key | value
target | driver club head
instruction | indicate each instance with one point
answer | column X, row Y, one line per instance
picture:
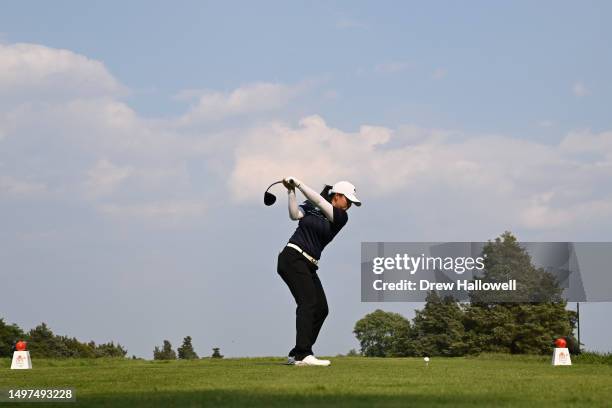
column 269, row 198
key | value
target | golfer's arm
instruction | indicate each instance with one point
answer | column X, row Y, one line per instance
column 318, row 200
column 294, row 212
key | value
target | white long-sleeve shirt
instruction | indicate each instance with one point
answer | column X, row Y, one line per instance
column 294, row 211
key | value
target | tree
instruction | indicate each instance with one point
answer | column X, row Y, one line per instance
column 75, row 348
column 216, row 353
column 43, row 343
column 438, row 328
column 528, row 320
column 166, row 353
column 524, row 322
column 505, row 259
column 383, row 334
column 9, row 335
column 109, row 350
column 186, row 352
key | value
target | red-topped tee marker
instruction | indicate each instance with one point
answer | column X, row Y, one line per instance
column 21, row 357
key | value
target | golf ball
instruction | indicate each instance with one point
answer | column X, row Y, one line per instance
column 426, row 359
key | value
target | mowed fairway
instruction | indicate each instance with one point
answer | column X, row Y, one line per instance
column 350, row 381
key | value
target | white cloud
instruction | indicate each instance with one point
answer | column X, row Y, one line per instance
column 580, row 89
column 172, row 211
column 66, row 128
column 105, row 177
column 10, row 186
column 31, row 69
column 253, row 98
column 586, row 141
column 92, row 147
column 106, row 127
column 540, row 214
column 313, row 150
column 479, row 171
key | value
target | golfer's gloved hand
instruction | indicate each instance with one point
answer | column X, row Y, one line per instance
column 287, row 185
column 292, row 182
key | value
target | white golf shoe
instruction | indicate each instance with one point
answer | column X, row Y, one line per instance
column 290, row 360
column 311, row 360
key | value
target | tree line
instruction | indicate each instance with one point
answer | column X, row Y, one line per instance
column 42, row 342
column 184, row 352
column 446, row 327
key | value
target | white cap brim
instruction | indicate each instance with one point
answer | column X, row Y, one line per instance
column 353, row 198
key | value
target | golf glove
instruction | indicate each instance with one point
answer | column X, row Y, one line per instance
column 292, row 181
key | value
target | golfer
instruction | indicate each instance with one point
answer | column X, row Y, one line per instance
column 320, row 217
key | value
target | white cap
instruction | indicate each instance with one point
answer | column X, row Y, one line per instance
column 346, row 188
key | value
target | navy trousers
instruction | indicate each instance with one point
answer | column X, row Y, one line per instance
column 301, row 276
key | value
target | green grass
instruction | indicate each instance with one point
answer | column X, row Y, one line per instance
column 488, row 380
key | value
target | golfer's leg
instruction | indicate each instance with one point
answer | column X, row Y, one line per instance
column 285, row 258
column 298, row 278
column 321, row 310
column 283, row 268
column 305, row 311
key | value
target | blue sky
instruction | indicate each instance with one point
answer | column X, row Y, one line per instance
column 506, row 66
column 136, row 140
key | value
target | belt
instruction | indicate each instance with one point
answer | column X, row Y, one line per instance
column 310, row 258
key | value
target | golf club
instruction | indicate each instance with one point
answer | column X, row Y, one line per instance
column 270, row 198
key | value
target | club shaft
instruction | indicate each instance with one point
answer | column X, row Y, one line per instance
column 276, row 182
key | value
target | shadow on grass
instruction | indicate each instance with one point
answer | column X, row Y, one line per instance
column 312, row 396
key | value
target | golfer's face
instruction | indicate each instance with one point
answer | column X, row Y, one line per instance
column 340, row 201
